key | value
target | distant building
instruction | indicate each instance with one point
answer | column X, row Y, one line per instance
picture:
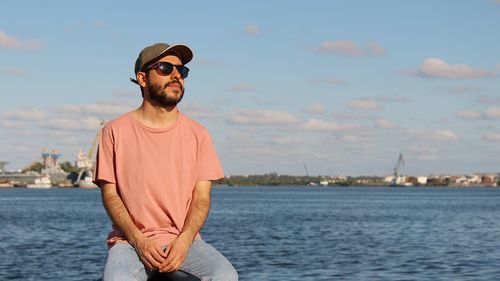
column 2, row 166
column 389, row 179
column 422, row 180
column 488, row 179
column 471, row 179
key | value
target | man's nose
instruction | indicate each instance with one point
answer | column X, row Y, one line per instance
column 176, row 74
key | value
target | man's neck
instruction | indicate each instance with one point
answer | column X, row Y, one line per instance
column 156, row 116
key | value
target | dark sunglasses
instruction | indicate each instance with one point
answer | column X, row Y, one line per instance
column 165, row 68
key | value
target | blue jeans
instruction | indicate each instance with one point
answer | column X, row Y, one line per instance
column 202, row 261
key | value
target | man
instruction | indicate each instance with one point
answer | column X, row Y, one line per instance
column 154, row 167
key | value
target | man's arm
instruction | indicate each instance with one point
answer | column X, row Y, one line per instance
column 149, row 252
column 196, row 217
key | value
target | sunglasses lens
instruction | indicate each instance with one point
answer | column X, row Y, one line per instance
column 165, row 68
column 184, row 71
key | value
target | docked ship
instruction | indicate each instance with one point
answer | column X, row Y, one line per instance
column 86, row 183
column 41, row 182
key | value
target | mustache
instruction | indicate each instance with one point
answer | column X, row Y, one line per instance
column 175, row 81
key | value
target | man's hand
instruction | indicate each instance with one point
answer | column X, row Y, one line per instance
column 149, row 252
column 176, row 254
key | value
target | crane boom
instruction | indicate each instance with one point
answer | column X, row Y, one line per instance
column 305, row 168
column 398, row 166
column 96, row 140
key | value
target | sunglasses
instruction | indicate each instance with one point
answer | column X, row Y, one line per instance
column 165, row 68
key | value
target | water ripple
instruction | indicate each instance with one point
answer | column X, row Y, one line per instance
column 276, row 233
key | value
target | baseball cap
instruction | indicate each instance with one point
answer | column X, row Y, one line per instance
column 156, row 51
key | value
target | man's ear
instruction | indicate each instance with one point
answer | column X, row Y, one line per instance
column 141, row 79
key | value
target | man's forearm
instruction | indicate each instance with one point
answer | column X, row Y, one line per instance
column 198, row 211
column 118, row 213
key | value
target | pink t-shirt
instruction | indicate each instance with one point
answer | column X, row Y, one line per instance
column 155, row 171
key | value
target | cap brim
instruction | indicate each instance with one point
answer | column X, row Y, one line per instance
column 185, row 53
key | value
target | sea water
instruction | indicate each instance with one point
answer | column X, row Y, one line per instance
column 276, row 233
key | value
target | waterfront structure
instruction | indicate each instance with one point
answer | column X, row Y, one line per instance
column 2, row 167
column 398, row 180
column 41, row 182
column 85, row 163
column 421, row 180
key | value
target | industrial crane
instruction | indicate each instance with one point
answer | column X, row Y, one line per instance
column 399, row 164
column 85, row 163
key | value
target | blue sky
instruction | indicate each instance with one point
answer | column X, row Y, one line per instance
column 341, row 86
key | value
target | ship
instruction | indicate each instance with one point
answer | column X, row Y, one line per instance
column 86, row 183
column 41, row 182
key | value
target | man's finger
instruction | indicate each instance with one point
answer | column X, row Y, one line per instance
column 146, row 263
column 157, row 255
column 161, row 251
column 168, row 265
column 151, row 259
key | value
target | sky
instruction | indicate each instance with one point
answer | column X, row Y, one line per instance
column 334, row 87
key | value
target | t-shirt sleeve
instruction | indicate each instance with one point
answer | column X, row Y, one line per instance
column 209, row 167
column 105, row 158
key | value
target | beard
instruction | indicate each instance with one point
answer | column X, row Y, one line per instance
column 159, row 96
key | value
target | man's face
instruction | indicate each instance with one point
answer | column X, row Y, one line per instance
column 166, row 90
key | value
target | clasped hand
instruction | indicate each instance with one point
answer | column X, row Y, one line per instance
column 153, row 257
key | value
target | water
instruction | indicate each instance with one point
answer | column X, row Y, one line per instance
column 276, row 233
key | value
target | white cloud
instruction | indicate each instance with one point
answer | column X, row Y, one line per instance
column 415, row 132
column 492, row 113
column 9, row 42
column 385, row 124
column 263, row 101
column 99, row 109
column 106, row 109
column 72, row 124
column 343, row 47
column 443, row 135
column 68, row 108
column 375, row 49
column 355, row 138
column 436, row 67
column 351, row 49
column 61, row 124
column 488, row 100
column 465, row 89
column 315, row 109
column 492, row 136
column 126, row 93
column 331, row 81
column 24, row 114
column 393, row 99
column 287, row 140
column 243, row 87
column 468, row 115
column 9, row 124
column 252, row 29
column 12, row 72
column 437, row 135
column 364, row 104
column 422, row 149
column 261, row 117
column 320, row 125
column 99, row 24
column 196, row 110
column 427, row 157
